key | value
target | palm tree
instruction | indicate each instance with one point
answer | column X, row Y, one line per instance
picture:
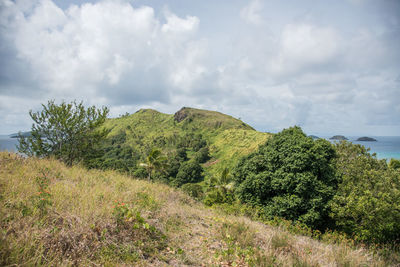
column 155, row 161
column 222, row 184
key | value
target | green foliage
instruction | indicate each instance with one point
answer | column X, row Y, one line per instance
column 290, row 176
column 189, row 172
column 220, row 190
column 42, row 200
column 196, row 133
column 367, row 203
column 69, row 132
column 203, row 155
column 155, row 162
column 193, row 190
column 394, row 164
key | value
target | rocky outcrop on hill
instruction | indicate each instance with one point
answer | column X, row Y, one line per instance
column 180, row 115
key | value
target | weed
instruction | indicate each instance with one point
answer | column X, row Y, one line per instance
column 281, row 242
column 42, row 199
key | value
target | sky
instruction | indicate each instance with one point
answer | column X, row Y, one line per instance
column 329, row 66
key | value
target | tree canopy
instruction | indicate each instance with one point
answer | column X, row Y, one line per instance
column 367, row 203
column 68, row 131
column 290, row 176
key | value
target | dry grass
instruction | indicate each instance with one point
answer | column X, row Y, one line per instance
column 78, row 222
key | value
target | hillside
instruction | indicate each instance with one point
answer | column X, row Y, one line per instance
column 228, row 138
column 52, row 215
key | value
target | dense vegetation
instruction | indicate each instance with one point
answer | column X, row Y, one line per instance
column 290, row 176
column 367, row 202
column 225, row 163
column 54, row 215
column 68, row 132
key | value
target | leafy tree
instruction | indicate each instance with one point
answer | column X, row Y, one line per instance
column 202, row 155
column 367, row 203
column 68, row 131
column 189, row 172
column 155, row 162
column 290, row 176
column 394, row 164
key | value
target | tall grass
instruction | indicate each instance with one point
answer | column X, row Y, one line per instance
column 52, row 215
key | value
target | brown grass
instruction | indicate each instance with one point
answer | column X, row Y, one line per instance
column 80, row 226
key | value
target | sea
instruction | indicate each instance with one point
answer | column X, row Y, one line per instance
column 386, row 147
column 8, row 144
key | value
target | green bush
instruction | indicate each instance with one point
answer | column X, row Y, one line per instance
column 367, row 204
column 189, row 172
column 193, row 190
column 394, row 164
column 68, row 131
column 290, row 176
column 202, row 155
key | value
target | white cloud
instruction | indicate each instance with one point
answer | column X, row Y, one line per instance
column 304, row 45
column 84, row 50
column 292, row 71
column 251, row 12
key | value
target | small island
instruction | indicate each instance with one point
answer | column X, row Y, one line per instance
column 338, row 137
column 314, row 137
column 367, row 139
column 23, row 134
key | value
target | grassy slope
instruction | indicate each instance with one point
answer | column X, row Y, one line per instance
column 228, row 138
column 79, row 227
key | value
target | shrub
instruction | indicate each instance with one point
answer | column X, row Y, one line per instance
column 290, row 176
column 193, row 190
column 69, row 132
column 394, row 164
column 367, row 204
column 202, row 155
column 189, row 172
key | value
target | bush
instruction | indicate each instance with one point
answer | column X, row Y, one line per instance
column 290, row 176
column 367, row 204
column 193, row 190
column 394, row 164
column 202, row 155
column 189, row 172
column 68, row 132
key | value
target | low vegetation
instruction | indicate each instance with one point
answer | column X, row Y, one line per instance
column 51, row 214
column 336, row 193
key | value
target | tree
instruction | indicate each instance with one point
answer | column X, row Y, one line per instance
column 394, row 164
column 189, row 172
column 155, row 161
column 290, row 176
column 68, row 132
column 367, row 203
column 220, row 190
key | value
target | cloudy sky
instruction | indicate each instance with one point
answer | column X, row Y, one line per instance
column 332, row 67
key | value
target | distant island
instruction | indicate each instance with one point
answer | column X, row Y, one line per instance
column 367, row 139
column 338, row 137
column 314, row 137
column 16, row 135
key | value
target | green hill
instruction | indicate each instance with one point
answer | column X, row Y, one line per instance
column 53, row 215
column 227, row 138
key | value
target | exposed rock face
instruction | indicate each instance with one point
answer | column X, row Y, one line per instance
column 338, row 137
column 180, row 115
column 367, row 139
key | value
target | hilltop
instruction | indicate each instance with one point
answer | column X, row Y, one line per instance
column 228, row 138
column 55, row 215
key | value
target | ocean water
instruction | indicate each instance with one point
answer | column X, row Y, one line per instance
column 8, row 144
column 386, row 147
